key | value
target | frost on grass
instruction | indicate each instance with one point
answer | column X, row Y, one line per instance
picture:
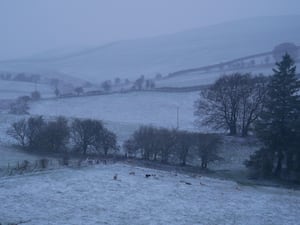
column 93, row 196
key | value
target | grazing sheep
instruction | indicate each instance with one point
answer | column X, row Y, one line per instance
column 115, row 177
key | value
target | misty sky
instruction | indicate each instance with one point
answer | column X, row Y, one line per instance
column 32, row 26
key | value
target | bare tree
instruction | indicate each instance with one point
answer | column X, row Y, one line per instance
column 167, row 141
column 34, row 129
column 232, row 102
column 130, row 147
column 18, row 131
column 106, row 140
column 252, row 103
column 153, row 143
column 144, row 139
column 85, row 133
column 185, row 142
column 55, row 135
column 139, row 83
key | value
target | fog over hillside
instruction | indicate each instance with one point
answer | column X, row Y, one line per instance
column 168, row 53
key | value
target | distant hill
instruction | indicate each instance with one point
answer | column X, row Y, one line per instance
column 168, row 53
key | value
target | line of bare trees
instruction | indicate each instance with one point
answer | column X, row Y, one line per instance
column 151, row 143
column 91, row 137
column 61, row 136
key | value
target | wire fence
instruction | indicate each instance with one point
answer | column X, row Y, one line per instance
column 25, row 166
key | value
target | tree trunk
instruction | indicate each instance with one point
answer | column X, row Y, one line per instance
column 289, row 162
column 164, row 160
column 203, row 163
column 183, row 163
column 232, row 130
column 279, row 165
column 146, row 155
column 84, row 148
column 155, row 156
column 245, row 131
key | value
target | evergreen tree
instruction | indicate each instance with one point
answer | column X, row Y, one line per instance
column 277, row 125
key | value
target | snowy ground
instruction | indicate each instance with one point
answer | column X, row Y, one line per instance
column 187, row 80
column 91, row 196
column 14, row 89
column 159, row 109
column 205, row 78
column 196, row 78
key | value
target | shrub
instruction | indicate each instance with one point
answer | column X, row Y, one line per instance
column 36, row 95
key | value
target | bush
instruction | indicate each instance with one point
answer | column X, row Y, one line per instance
column 207, row 146
column 79, row 90
column 260, row 164
column 36, row 95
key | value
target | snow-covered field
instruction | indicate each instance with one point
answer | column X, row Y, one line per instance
column 136, row 108
column 196, row 78
column 14, row 89
column 92, row 196
column 188, row 80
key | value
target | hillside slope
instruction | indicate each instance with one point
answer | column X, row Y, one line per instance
column 92, row 196
column 168, row 53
